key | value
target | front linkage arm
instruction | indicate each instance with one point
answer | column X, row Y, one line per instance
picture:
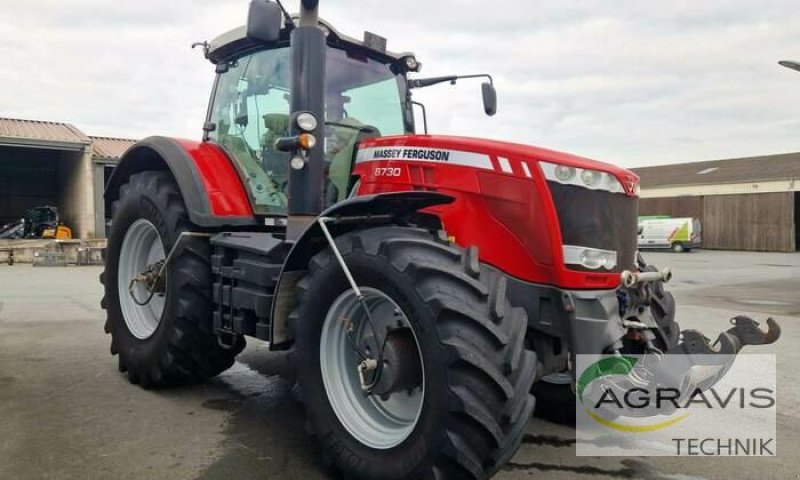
column 745, row 331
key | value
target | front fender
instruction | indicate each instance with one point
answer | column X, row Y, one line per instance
column 209, row 184
column 348, row 215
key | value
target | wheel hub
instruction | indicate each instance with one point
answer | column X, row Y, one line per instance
column 402, row 368
column 384, row 416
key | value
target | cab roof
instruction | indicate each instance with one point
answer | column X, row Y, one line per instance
column 236, row 42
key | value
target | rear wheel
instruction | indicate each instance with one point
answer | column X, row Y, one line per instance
column 162, row 330
column 453, row 398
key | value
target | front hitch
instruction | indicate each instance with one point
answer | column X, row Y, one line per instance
column 745, row 331
column 693, row 349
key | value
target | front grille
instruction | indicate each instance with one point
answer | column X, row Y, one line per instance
column 597, row 219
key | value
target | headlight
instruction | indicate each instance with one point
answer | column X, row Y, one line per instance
column 564, row 173
column 297, row 163
column 591, row 258
column 306, row 121
column 590, row 177
column 581, row 177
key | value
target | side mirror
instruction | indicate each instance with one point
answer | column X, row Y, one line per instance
column 264, row 21
column 489, row 98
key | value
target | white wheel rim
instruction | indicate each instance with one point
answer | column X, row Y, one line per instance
column 141, row 248
column 376, row 423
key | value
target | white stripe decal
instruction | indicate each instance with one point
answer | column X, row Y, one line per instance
column 527, row 170
column 505, row 165
column 423, row 154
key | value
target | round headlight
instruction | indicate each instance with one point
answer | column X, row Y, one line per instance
column 297, row 163
column 412, row 63
column 564, row 173
column 590, row 177
column 306, row 122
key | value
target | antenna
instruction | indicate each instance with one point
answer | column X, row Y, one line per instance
column 287, row 19
column 202, row 44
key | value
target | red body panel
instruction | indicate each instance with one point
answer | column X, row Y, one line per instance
column 226, row 194
column 482, row 185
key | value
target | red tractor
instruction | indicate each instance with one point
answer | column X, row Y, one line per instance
column 423, row 283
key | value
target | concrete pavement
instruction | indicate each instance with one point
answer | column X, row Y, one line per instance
column 66, row 412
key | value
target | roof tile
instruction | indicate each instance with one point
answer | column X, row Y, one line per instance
column 18, row 129
column 109, row 148
column 736, row 170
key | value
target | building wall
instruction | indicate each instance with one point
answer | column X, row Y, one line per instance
column 76, row 193
column 773, row 186
column 98, row 184
column 672, row 206
column 762, row 221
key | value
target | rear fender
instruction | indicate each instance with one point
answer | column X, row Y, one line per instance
column 348, row 215
column 210, row 186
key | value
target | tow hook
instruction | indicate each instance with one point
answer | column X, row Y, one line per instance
column 745, row 331
column 633, row 279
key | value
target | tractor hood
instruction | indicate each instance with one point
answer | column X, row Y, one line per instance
column 491, row 154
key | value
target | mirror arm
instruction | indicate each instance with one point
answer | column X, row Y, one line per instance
column 427, row 82
column 479, row 75
column 424, row 115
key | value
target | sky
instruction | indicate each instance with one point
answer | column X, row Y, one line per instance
column 633, row 83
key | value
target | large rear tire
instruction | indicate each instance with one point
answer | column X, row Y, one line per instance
column 170, row 340
column 476, row 373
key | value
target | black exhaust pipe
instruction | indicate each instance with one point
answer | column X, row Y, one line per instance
column 307, row 95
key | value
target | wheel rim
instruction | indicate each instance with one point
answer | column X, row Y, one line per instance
column 558, row 378
column 375, row 422
column 141, row 248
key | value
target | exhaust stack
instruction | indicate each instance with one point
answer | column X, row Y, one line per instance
column 307, row 95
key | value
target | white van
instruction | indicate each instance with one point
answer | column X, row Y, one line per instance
column 678, row 234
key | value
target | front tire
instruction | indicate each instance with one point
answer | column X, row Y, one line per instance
column 476, row 371
column 169, row 340
column 555, row 400
column 678, row 247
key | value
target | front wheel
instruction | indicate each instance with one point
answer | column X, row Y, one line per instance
column 678, row 247
column 161, row 328
column 555, row 399
column 452, row 398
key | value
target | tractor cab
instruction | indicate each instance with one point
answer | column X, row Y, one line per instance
column 365, row 96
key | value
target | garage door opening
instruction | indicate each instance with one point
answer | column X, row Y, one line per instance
column 36, row 177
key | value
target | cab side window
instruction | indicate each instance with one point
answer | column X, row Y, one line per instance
column 251, row 110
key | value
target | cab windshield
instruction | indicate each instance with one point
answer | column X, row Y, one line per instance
column 251, row 108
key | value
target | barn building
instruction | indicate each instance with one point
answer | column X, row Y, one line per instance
column 51, row 163
column 744, row 203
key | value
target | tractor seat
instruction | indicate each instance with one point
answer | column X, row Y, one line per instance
column 277, row 125
column 344, row 139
